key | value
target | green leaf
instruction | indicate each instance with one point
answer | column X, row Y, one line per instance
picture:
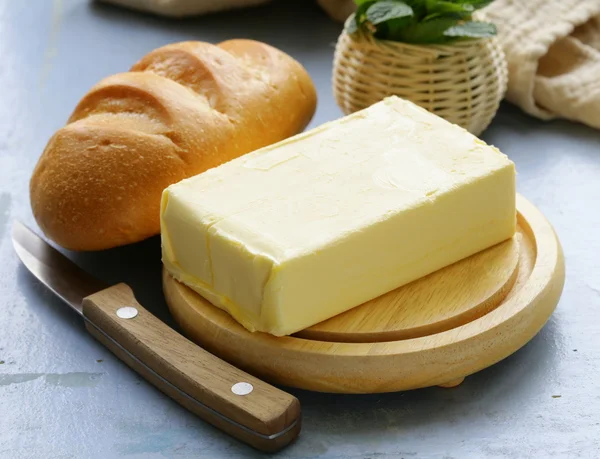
column 351, row 25
column 386, row 10
column 437, row 7
column 472, row 29
column 361, row 11
column 427, row 32
column 394, row 26
column 358, row 17
column 418, row 7
column 455, row 16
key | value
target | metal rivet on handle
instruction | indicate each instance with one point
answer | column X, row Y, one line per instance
column 127, row 312
column 242, row 388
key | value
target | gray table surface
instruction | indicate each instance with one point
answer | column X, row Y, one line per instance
column 62, row 395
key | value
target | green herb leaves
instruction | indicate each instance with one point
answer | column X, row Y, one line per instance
column 420, row 21
column 386, row 10
column 427, row 32
column 436, row 9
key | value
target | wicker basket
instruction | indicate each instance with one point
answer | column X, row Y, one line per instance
column 463, row 82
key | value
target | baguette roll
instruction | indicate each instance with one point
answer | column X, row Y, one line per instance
column 182, row 109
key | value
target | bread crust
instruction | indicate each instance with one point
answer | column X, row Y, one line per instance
column 180, row 110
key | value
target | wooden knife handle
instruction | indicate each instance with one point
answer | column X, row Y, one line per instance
column 247, row 408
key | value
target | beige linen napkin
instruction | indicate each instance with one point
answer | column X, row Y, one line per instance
column 553, row 53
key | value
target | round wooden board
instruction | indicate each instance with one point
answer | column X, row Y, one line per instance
column 415, row 344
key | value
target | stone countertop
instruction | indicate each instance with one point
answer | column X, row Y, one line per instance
column 62, row 395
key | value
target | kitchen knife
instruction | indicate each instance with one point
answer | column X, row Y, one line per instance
column 243, row 406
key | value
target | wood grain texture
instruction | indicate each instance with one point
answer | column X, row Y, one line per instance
column 441, row 301
column 198, row 374
column 436, row 359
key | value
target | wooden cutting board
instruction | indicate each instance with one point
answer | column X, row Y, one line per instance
column 434, row 331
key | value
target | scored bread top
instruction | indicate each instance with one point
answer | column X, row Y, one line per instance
column 182, row 109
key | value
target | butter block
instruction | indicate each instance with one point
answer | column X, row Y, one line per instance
column 300, row 231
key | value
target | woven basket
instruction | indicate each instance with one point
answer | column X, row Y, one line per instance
column 463, row 82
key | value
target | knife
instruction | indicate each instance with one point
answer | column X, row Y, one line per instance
column 245, row 407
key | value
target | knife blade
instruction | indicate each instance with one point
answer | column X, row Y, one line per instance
column 260, row 415
column 63, row 277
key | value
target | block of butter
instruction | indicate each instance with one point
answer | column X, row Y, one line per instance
column 298, row 232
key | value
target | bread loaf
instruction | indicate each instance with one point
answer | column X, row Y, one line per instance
column 182, row 109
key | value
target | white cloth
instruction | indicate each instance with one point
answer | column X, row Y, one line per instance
column 553, row 53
